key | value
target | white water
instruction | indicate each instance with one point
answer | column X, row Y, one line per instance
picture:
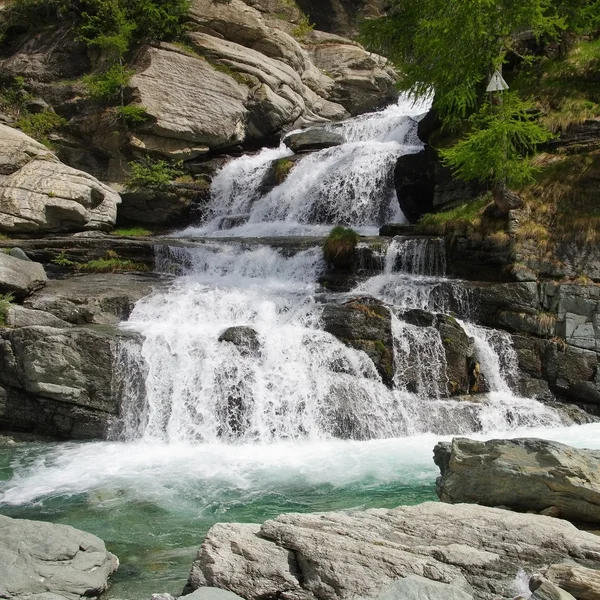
column 351, row 184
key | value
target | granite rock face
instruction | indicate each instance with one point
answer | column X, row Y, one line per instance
column 523, row 474
column 338, row 555
column 42, row 561
column 38, row 193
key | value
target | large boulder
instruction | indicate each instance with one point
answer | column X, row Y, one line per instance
column 523, row 474
column 342, row 555
column 59, row 381
column 364, row 324
column 20, row 277
column 44, row 561
column 38, row 193
column 314, row 138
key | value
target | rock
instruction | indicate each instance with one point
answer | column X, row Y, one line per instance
column 364, row 324
column 341, row 16
column 312, row 139
column 40, row 194
column 18, row 253
column 58, row 381
column 19, row 277
column 212, row 593
column 582, row 582
column 394, row 229
column 415, row 587
column 245, row 338
column 103, row 299
column 19, row 316
column 17, row 149
column 546, row 590
column 342, row 555
column 415, row 184
column 523, row 474
column 42, row 560
column 171, row 85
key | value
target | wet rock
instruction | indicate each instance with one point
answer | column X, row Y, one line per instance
column 523, row 474
column 245, row 338
column 546, row 590
column 19, row 277
column 478, row 550
column 18, row 253
column 582, row 582
column 42, row 560
column 415, row 184
column 313, row 139
column 364, row 324
column 58, row 381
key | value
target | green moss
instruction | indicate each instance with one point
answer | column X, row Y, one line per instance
column 5, row 302
column 282, row 169
column 340, row 246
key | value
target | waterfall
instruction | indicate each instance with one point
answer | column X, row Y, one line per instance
column 351, row 184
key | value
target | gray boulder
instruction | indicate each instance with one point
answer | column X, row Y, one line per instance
column 19, row 316
column 20, row 277
column 341, row 555
column 38, row 193
column 415, row 587
column 41, row 560
column 315, row 138
column 523, row 474
column 546, row 590
column 244, row 338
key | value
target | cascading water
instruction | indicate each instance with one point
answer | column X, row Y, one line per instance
column 351, row 184
column 222, row 431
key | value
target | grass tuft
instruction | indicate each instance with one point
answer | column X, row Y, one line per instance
column 340, row 246
column 132, row 232
column 5, row 302
column 111, row 263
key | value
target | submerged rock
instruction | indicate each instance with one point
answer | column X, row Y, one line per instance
column 245, row 338
column 340, row 555
column 313, row 139
column 42, row 560
column 523, row 474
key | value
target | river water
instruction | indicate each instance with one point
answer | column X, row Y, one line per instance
column 210, row 433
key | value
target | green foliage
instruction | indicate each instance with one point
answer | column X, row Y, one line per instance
column 5, row 302
column 132, row 232
column 110, row 263
column 450, row 48
column 13, row 95
column 459, row 219
column 61, row 260
column 340, row 246
column 499, row 147
column 303, row 28
column 132, row 115
column 39, row 125
column 109, row 85
column 157, row 174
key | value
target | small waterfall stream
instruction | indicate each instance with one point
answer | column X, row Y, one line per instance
column 296, row 420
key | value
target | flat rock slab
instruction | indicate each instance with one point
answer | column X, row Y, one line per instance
column 42, row 560
column 20, row 277
column 524, row 474
column 338, row 555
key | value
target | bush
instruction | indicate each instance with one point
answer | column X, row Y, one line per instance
column 109, row 85
column 340, row 246
column 132, row 115
column 303, row 28
column 39, row 125
column 152, row 174
column 5, row 302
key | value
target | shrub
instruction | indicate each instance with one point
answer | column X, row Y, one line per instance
column 61, row 260
column 39, row 125
column 13, row 95
column 109, row 85
column 5, row 302
column 147, row 173
column 340, row 246
column 303, row 28
column 132, row 115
